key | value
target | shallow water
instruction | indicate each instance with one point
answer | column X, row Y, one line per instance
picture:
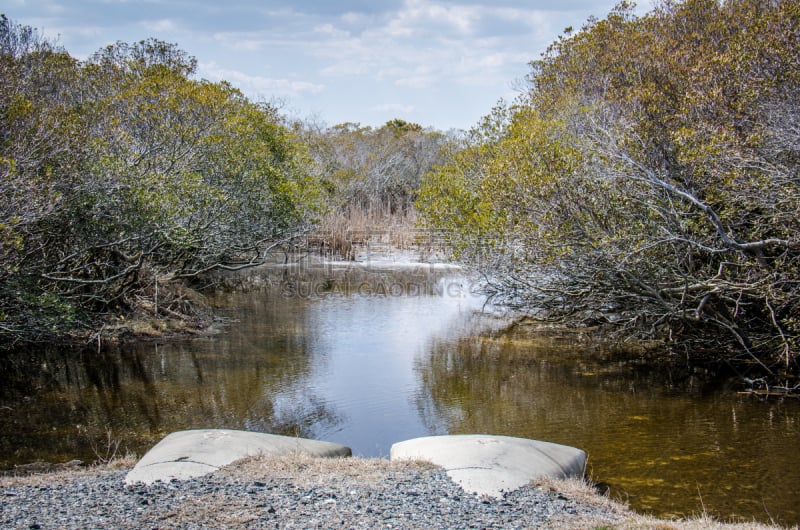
column 367, row 355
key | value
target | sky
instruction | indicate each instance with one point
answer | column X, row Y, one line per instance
column 439, row 63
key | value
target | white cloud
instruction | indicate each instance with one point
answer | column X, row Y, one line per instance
column 419, row 15
column 355, row 18
column 396, row 108
column 163, row 25
column 448, row 60
column 415, row 81
column 332, row 31
column 419, row 45
column 241, row 41
column 425, row 43
column 258, row 84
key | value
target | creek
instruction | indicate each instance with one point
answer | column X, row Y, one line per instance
column 373, row 353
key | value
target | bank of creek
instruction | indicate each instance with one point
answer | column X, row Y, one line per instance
column 367, row 354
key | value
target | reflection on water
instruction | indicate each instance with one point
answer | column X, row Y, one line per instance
column 322, row 351
column 368, row 356
column 664, row 442
column 59, row 405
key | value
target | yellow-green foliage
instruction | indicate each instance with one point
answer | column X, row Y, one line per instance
column 122, row 171
column 651, row 171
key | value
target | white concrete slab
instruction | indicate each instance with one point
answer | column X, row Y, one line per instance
column 186, row 454
column 491, row 465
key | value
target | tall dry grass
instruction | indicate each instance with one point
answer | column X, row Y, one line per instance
column 617, row 516
column 342, row 234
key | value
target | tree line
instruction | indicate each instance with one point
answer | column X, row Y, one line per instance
column 647, row 179
column 372, row 176
column 124, row 179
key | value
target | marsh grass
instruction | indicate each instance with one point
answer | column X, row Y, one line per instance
column 343, row 234
column 617, row 516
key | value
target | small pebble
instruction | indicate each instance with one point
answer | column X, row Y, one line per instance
column 407, row 498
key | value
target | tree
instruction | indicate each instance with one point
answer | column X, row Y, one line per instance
column 185, row 177
column 648, row 181
column 123, row 173
column 42, row 139
column 376, row 170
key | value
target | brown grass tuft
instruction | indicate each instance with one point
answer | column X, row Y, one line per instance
column 619, row 517
column 344, row 234
column 307, row 470
column 46, row 474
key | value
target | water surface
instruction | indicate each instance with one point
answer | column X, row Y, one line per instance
column 370, row 355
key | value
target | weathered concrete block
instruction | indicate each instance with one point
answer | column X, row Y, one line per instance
column 491, row 465
column 187, row 454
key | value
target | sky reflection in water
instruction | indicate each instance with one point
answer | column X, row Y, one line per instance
column 344, row 353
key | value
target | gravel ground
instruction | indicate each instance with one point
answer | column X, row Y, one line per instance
column 266, row 496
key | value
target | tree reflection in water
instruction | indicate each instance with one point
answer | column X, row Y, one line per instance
column 371, row 368
column 60, row 404
column 667, row 441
